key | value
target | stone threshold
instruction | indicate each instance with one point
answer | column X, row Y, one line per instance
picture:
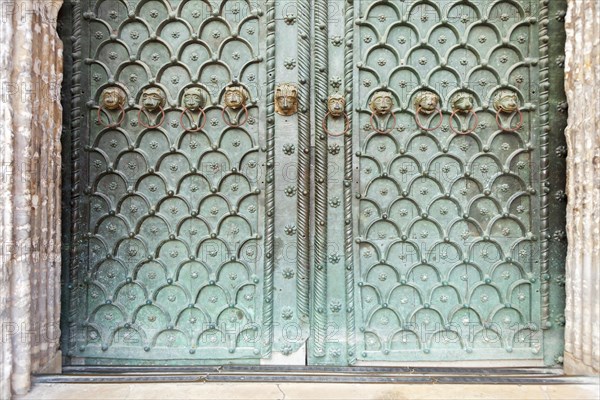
column 314, row 374
column 306, row 391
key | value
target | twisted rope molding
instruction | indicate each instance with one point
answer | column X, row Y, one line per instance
column 321, row 88
column 73, row 290
column 302, row 282
column 270, row 185
column 544, row 160
column 349, row 241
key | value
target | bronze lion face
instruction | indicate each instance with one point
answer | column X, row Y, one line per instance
column 381, row 103
column 193, row 99
column 462, row 102
column 336, row 105
column 112, row 98
column 427, row 102
column 235, row 97
column 286, row 99
column 152, row 99
column 506, row 101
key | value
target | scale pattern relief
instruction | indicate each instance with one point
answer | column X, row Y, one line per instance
column 447, row 246
column 174, row 217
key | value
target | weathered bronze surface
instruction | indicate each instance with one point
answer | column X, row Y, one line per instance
column 443, row 250
column 193, row 193
column 170, row 263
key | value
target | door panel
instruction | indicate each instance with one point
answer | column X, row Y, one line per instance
column 176, row 255
column 439, row 256
column 444, row 219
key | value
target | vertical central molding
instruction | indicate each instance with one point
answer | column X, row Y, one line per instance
column 321, row 85
column 270, row 186
column 303, row 242
column 348, row 221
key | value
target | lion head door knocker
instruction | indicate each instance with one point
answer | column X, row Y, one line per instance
column 153, row 101
column 336, row 104
column 111, row 99
column 507, row 102
column 462, row 103
column 286, row 99
column 234, row 102
column 381, row 106
column 427, row 103
column 193, row 102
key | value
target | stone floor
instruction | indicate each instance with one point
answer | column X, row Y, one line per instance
column 306, row 391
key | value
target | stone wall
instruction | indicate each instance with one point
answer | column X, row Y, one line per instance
column 582, row 83
column 30, row 127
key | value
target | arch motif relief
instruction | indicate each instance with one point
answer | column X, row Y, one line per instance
column 444, row 240
column 448, row 210
column 172, row 254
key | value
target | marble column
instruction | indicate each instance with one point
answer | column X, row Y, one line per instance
column 30, row 128
column 582, row 84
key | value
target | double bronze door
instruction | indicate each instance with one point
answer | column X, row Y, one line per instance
column 258, row 188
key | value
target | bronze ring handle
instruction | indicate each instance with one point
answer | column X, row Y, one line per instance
column 234, row 125
column 121, row 113
column 467, row 131
column 519, row 125
column 418, row 120
column 373, row 125
column 162, row 119
column 346, row 125
column 202, row 118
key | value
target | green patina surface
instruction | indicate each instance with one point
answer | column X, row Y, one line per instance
column 434, row 243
